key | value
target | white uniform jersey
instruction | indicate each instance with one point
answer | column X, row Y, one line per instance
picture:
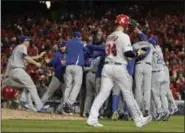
column 16, row 60
column 158, row 60
column 117, row 44
column 144, row 44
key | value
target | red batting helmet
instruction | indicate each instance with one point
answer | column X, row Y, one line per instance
column 122, row 20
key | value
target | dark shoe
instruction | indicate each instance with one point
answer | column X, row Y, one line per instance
column 160, row 116
column 166, row 117
column 126, row 116
column 145, row 113
column 68, row 108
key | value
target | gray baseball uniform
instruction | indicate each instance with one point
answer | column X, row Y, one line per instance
column 143, row 75
column 53, row 86
column 74, row 75
column 169, row 93
column 158, row 79
column 16, row 72
column 91, row 84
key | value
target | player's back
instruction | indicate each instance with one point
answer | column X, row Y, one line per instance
column 16, row 60
column 149, row 57
column 158, row 62
column 116, row 44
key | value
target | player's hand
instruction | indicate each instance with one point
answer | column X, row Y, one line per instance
column 42, row 54
column 140, row 51
column 38, row 64
column 47, row 60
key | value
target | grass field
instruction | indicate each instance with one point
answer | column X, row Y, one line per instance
column 175, row 124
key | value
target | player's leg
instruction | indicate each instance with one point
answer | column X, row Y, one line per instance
column 122, row 79
column 61, row 105
column 164, row 101
column 173, row 106
column 153, row 108
column 69, row 82
column 106, row 86
column 138, row 84
column 156, row 82
column 53, row 86
column 77, row 76
column 10, row 82
column 89, row 93
column 115, row 102
column 98, row 85
column 25, row 79
column 147, row 89
column 26, row 100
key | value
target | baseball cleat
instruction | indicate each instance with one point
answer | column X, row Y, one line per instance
column 67, row 108
column 115, row 116
column 145, row 113
column 44, row 108
column 160, row 116
column 24, row 104
column 142, row 121
column 126, row 116
column 173, row 111
column 166, row 117
column 94, row 124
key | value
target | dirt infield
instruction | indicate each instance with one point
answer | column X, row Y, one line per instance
column 21, row 114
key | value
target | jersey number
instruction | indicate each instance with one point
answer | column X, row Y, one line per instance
column 110, row 49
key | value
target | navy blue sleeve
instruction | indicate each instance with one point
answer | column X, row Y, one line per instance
column 142, row 37
column 96, row 54
column 87, row 52
column 54, row 60
column 96, row 47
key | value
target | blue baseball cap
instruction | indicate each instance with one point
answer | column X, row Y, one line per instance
column 153, row 40
column 77, row 34
column 25, row 38
column 62, row 43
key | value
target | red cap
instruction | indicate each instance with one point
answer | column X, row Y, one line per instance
column 122, row 19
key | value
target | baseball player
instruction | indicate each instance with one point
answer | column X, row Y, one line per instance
column 159, row 81
column 115, row 92
column 90, row 84
column 16, row 71
column 58, row 62
column 118, row 48
column 74, row 72
column 143, row 74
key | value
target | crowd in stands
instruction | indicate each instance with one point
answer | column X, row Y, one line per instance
column 47, row 33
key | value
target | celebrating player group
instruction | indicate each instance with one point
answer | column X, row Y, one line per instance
column 132, row 77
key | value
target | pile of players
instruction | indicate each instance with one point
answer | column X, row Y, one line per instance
column 115, row 67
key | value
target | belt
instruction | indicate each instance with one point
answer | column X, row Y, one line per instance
column 144, row 63
column 156, row 71
column 114, row 63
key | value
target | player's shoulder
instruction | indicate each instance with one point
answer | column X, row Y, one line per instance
column 20, row 47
